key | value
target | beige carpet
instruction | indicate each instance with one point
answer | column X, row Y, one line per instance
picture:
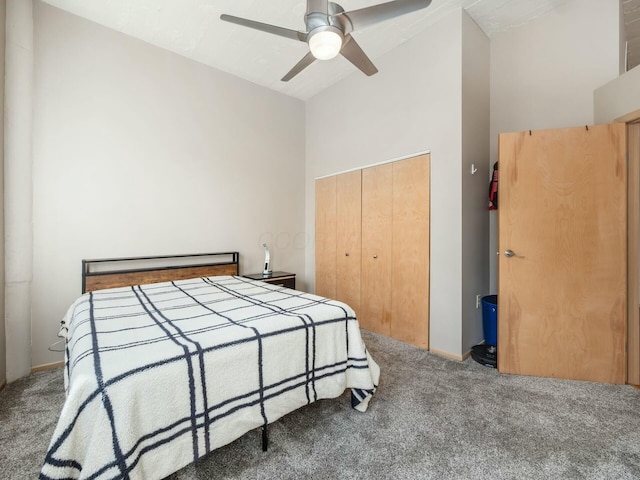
column 432, row 418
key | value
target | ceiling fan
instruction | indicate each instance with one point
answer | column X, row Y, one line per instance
column 329, row 30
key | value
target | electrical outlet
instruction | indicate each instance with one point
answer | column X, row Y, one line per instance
column 478, row 297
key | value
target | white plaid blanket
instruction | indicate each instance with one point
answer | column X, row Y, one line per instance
column 159, row 375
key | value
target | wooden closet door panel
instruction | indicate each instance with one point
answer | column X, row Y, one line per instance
column 349, row 218
column 410, row 276
column 326, row 237
column 562, row 284
column 377, row 190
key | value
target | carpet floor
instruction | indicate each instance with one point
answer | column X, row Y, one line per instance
column 432, row 418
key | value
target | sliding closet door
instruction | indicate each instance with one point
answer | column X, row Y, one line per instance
column 348, row 225
column 410, row 272
column 326, row 237
column 377, row 198
column 563, row 247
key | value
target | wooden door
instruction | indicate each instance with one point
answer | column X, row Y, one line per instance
column 410, row 259
column 377, row 198
column 348, row 225
column 562, row 294
column 633, row 263
column 326, row 237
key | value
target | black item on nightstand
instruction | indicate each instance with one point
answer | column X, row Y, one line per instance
column 284, row 279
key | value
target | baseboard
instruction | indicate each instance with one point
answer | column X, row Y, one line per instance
column 46, row 366
column 3, row 384
column 451, row 356
column 634, row 386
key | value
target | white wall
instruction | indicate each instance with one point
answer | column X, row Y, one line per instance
column 138, row 151
column 413, row 104
column 543, row 74
column 3, row 346
column 618, row 97
column 475, row 152
column 18, row 193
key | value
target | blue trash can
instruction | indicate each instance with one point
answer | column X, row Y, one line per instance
column 490, row 319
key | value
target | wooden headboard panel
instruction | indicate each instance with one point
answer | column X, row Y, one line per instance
column 125, row 272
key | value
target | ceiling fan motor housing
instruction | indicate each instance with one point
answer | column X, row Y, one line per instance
column 317, row 16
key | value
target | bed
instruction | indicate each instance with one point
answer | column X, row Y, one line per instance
column 159, row 374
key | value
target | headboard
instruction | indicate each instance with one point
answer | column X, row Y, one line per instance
column 125, row 272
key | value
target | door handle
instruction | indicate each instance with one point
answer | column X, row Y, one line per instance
column 511, row 253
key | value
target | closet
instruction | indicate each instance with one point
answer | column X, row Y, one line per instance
column 372, row 245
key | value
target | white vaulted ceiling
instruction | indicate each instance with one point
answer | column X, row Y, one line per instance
column 193, row 28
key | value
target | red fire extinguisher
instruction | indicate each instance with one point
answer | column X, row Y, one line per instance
column 493, row 189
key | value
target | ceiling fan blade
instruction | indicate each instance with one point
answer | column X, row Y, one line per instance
column 368, row 16
column 307, row 60
column 265, row 27
column 352, row 52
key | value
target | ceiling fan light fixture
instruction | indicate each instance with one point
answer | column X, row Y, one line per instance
column 326, row 43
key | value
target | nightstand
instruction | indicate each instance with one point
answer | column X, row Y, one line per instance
column 283, row 279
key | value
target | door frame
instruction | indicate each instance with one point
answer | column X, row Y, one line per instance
column 632, row 120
